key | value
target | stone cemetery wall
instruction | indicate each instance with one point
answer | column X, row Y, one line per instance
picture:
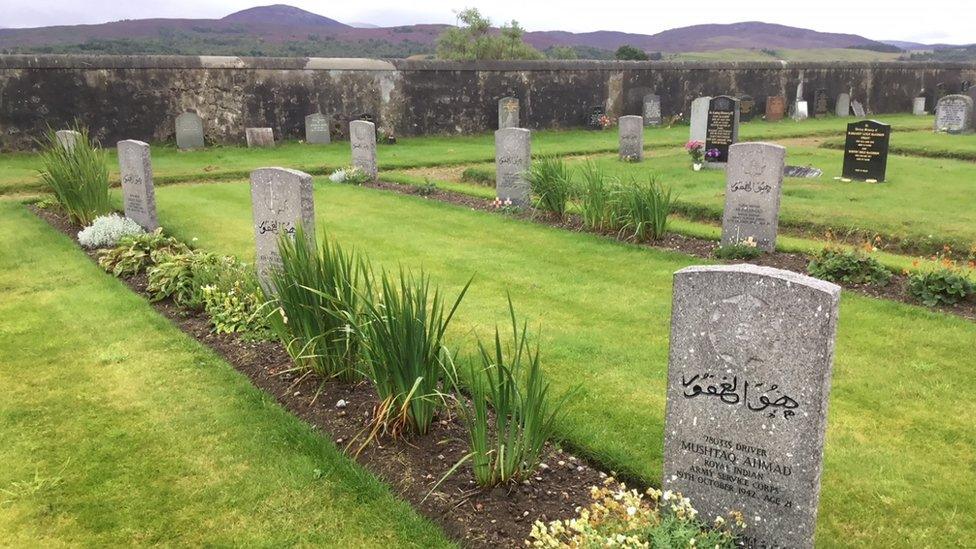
column 139, row 97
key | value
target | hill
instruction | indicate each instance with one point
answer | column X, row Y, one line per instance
column 286, row 30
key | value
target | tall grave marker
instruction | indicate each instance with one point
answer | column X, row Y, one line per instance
column 821, row 103
column 317, row 129
column 138, row 193
column 954, row 114
column 866, row 150
column 747, row 108
column 753, row 187
column 189, row 131
column 508, row 112
column 722, row 129
column 652, row 109
column 631, row 138
column 749, row 376
column 512, row 160
column 843, row 106
column 362, row 140
column 281, row 200
column 918, row 106
column 699, row 118
column 775, row 108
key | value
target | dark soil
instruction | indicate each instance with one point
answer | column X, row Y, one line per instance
column 896, row 290
column 501, row 517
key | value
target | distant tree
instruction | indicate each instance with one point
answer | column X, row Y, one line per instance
column 630, row 53
column 561, row 52
column 473, row 39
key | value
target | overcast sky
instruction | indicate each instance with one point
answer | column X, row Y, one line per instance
column 915, row 20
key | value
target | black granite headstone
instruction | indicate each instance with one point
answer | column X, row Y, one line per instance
column 722, row 127
column 866, row 150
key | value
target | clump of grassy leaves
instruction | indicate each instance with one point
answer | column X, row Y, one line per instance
column 320, row 295
column 405, row 354
column 596, row 194
column 507, row 445
column 643, row 210
column 77, row 175
column 551, row 184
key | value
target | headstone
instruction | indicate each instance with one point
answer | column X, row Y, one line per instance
column 362, row 139
column 512, row 161
column 699, row 118
column 652, row 110
column 821, row 104
column 508, row 112
column 68, row 138
column 138, row 194
column 971, row 92
column 259, row 137
column 843, row 106
column 317, row 129
column 800, row 111
column 189, row 131
column 631, row 138
column 281, row 200
column 775, row 108
column 805, row 172
column 722, row 129
column 918, row 106
column 954, row 114
column 753, row 184
column 595, row 117
column 858, row 109
column 747, row 108
column 749, row 375
column 866, row 150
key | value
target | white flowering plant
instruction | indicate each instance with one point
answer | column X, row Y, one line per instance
column 105, row 231
column 351, row 175
column 621, row 517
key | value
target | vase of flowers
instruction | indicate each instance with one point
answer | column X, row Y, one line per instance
column 696, row 150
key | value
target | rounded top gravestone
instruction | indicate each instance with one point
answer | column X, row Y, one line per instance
column 281, row 200
column 954, row 114
column 699, row 118
column 508, row 112
column 751, row 354
column 721, row 129
column 631, row 138
column 318, row 129
column 513, row 158
column 189, row 131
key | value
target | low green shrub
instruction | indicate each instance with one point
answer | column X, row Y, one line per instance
column 596, row 195
column 551, row 184
column 405, row 353
column 135, row 253
column 642, row 209
column 848, row 267
column 182, row 276
column 507, row 446
column 944, row 286
column 619, row 517
column 478, row 176
column 234, row 302
column 737, row 252
column 78, row 176
column 320, row 297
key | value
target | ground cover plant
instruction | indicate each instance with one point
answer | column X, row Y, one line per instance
column 120, row 430
column 606, row 307
column 76, row 175
column 849, row 267
column 107, row 230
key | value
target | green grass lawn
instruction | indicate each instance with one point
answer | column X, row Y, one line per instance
column 924, row 203
column 922, row 143
column 900, row 462
column 18, row 171
column 118, row 430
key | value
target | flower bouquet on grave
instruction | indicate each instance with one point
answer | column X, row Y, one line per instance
column 696, row 150
column 605, row 121
column 712, row 155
